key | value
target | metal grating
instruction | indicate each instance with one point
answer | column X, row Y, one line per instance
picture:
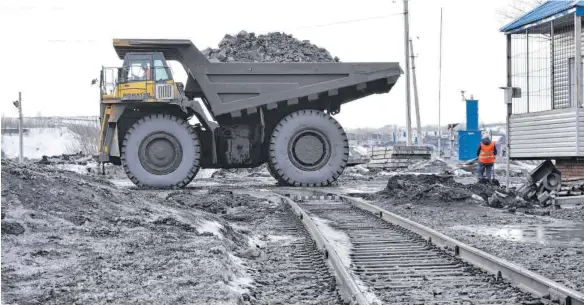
column 165, row 91
column 542, row 65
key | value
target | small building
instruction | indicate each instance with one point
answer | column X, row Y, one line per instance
column 547, row 120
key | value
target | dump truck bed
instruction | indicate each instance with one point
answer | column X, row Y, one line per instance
column 231, row 88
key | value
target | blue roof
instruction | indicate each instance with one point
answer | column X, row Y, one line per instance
column 547, row 9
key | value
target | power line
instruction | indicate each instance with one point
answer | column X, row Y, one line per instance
column 348, row 21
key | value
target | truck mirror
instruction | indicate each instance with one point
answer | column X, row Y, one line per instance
column 94, row 81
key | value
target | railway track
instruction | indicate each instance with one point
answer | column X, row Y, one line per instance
column 292, row 269
column 379, row 257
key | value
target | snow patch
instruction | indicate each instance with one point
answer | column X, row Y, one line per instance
column 282, row 238
column 122, row 183
column 243, row 281
column 384, row 173
column 205, row 173
column 76, row 168
column 338, row 239
column 362, row 150
column 211, row 226
column 256, row 241
column 262, row 240
column 342, row 244
column 462, row 173
column 477, row 198
column 361, row 168
column 39, row 141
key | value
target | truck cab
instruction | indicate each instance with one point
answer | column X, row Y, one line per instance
column 144, row 77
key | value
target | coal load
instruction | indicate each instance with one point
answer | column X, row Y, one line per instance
column 272, row 47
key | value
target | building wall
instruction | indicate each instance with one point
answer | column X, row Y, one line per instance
column 545, row 134
column 571, row 168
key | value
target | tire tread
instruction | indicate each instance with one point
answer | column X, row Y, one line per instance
column 194, row 169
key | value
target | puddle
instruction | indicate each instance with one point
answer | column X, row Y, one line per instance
column 568, row 233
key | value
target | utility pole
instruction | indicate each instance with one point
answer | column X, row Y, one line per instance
column 440, row 91
column 18, row 104
column 416, row 105
column 407, row 72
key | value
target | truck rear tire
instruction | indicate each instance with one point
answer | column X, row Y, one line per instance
column 161, row 150
column 308, row 148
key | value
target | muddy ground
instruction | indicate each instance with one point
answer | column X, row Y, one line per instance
column 74, row 237
column 77, row 239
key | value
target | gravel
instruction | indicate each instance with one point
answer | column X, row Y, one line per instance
column 272, row 47
column 574, row 214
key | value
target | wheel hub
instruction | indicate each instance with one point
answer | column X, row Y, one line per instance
column 160, row 153
column 309, row 150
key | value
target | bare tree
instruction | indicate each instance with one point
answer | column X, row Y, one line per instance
column 517, row 8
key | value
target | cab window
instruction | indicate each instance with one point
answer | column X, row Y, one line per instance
column 138, row 70
column 161, row 73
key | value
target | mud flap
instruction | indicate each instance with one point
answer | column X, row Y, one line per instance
column 115, row 147
column 109, row 135
column 109, row 132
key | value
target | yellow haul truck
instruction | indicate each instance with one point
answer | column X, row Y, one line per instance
column 279, row 113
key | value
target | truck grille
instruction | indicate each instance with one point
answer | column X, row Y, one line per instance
column 164, row 91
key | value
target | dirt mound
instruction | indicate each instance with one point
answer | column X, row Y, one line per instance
column 433, row 187
column 72, row 238
column 413, row 188
column 272, row 47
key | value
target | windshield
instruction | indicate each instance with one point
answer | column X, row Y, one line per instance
column 137, row 70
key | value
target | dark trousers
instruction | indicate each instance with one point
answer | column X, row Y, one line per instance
column 485, row 167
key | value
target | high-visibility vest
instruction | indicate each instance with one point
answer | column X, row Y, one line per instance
column 487, row 154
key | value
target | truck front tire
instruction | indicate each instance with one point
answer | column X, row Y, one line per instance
column 161, row 150
column 308, row 148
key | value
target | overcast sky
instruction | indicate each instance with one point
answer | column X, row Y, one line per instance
column 51, row 50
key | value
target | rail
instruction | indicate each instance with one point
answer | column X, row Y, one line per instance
column 520, row 277
column 348, row 287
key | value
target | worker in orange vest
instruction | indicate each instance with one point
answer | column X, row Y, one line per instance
column 486, row 154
